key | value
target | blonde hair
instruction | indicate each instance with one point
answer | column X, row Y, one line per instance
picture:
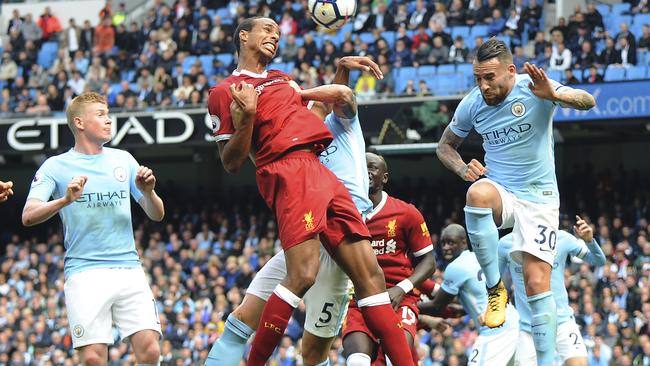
column 78, row 105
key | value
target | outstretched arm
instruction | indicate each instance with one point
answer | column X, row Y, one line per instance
column 567, row 97
column 340, row 96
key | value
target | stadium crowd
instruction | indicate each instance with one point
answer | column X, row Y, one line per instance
column 205, row 253
column 156, row 60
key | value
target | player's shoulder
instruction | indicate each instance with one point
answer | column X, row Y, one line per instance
column 54, row 161
column 400, row 205
column 472, row 101
column 111, row 151
column 566, row 239
column 277, row 73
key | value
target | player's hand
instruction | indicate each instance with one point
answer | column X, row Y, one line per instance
column 237, row 115
column 6, row 190
column 541, row 85
column 430, row 323
column 396, row 295
column 472, row 171
column 583, row 230
column 145, row 181
column 362, row 63
column 246, row 96
column 75, row 188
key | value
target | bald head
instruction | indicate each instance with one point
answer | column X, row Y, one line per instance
column 454, row 230
column 454, row 241
column 377, row 172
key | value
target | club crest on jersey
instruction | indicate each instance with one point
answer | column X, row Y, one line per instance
column 518, row 109
column 392, row 227
column 425, row 229
column 308, row 219
column 120, row 174
column 216, row 123
column 78, row 331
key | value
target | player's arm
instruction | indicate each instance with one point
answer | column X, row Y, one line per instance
column 595, row 255
column 37, row 211
column 341, row 97
column 567, row 96
column 441, row 306
column 448, row 155
column 150, row 202
column 243, row 108
column 6, row 190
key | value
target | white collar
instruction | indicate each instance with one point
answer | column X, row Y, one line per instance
column 263, row 75
column 371, row 214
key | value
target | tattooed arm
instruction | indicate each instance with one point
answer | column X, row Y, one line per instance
column 575, row 98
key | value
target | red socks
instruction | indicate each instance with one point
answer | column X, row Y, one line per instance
column 274, row 320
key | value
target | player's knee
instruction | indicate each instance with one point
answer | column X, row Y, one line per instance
column 481, row 194
column 312, row 356
column 301, row 278
column 536, row 285
column 150, row 353
column 93, row 359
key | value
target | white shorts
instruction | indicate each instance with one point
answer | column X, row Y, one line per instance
column 326, row 301
column 525, row 355
column 96, row 299
column 569, row 343
column 494, row 350
column 534, row 225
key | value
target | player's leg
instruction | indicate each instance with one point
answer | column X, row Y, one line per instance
column 483, row 214
column 537, row 277
column 229, row 349
column 302, row 267
column 94, row 355
column 534, row 240
column 495, row 349
column 146, row 346
column 360, row 263
column 135, row 314
column 382, row 360
column 326, row 303
column 570, row 345
column 359, row 349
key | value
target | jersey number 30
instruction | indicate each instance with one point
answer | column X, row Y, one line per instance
column 546, row 237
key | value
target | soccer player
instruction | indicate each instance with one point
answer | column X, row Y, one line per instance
column 258, row 111
column 6, row 190
column 104, row 281
column 401, row 241
column 513, row 113
column 327, row 300
column 464, row 278
column 569, row 344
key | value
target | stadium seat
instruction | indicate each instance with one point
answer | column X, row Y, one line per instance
column 188, row 62
column 621, row 8
column 614, row 73
column 47, row 54
column 635, row 73
column 224, row 13
column 603, row 9
column 367, row 37
column 467, row 72
column 613, row 22
column 225, row 58
column 447, row 69
column 555, row 74
column 206, row 62
column 447, row 84
column 479, row 30
column 462, row 31
column 426, row 71
column 389, row 36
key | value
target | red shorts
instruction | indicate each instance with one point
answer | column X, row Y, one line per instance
column 309, row 200
column 407, row 311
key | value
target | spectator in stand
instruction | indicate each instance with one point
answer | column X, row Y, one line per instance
column 8, row 69
column 439, row 53
column 290, row 49
column 104, row 37
column 30, row 30
column 329, row 54
column 512, row 24
column 202, row 45
column 496, row 24
column 382, row 20
column 363, row 20
column 438, row 31
column 50, row 25
column 476, row 13
column 640, row 7
column 288, row 25
column 625, row 33
column 531, row 16
column 15, row 22
column 456, row 15
column 593, row 16
column 459, row 52
column 71, row 37
column 519, row 58
column 610, row 55
column 119, row 16
column 569, row 78
column 578, row 39
column 644, row 39
column 419, row 16
column 41, row 106
column 439, row 17
column 561, row 58
column 87, row 37
column 586, row 57
column 628, row 54
column 402, row 57
column 77, row 83
column 386, row 86
column 543, row 60
column 401, row 15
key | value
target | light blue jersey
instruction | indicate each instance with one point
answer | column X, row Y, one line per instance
column 567, row 246
column 346, row 158
column 517, row 139
column 97, row 227
column 464, row 278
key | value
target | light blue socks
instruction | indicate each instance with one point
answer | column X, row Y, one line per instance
column 484, row 236
column 543, row 326
column 229, row 348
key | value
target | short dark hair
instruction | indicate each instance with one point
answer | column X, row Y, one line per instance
column 494, row 48
column 246, row 25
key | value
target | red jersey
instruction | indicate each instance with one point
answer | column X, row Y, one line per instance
column 398, row 232
column 282, row 120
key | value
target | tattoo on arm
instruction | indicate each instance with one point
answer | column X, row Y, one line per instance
column 447, row 151
column 578, row 99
